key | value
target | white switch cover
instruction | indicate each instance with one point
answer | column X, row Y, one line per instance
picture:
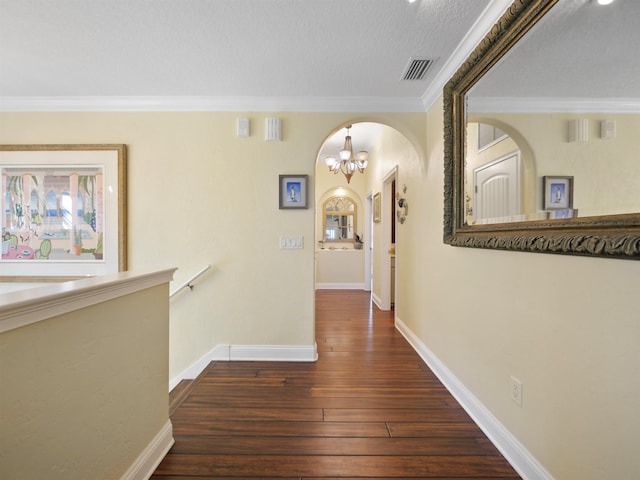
column 291, row 242
column 243, row 127
column 608, row 129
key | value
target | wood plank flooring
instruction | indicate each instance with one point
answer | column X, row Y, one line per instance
column 368, row 408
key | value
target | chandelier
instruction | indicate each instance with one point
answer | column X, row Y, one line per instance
column 348, row 164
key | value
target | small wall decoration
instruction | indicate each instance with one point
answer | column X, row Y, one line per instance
column 376, row 207
column 403, row 206
column 558, row 192
column 63, row 210
column 293, row 191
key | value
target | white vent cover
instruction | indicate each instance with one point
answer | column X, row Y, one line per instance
column 416, row 69
column 273, row 129
column 579, row 130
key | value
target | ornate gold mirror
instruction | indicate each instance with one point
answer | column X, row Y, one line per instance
column 553, row 91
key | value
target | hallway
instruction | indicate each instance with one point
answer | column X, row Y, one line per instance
column 368, row 408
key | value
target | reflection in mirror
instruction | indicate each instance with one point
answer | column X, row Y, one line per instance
column 493, row 182
column 526, row 93
column 339, row 219
column 552, row 92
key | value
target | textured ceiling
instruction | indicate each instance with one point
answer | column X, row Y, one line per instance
column 323, row 55
column 338, row 49
column 579, row 50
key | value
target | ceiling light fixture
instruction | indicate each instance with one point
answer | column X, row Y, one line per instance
column 604, row 2
column 347, row 164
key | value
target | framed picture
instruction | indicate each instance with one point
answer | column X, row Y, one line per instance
column 558, row 193
column 63, row 210
column 376, row 208
column 293, row 191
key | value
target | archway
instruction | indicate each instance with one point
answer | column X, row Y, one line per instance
column 389, row 149
column 508, row 143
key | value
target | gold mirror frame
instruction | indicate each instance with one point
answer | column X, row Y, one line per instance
column 612, row 236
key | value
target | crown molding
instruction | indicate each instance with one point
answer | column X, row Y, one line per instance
column 491, row 14
column 210, row 104
column 553, row 105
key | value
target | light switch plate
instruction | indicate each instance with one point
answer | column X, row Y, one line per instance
column 291, row 242
column 243, row 127
column 608, row 129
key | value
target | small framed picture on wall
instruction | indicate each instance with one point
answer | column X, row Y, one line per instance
column 293, row 191
column 558, row 192
column 376, row 208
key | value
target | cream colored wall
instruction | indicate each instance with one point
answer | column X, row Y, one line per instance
column 340, row 268
column 606, row 172
column 567, row 327
column 396, row 149
column 84, row 393
column 198, row 194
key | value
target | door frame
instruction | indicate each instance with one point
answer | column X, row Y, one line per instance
column 368, row 241
column 385, row 244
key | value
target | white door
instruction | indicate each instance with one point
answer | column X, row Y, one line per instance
column 497, row 190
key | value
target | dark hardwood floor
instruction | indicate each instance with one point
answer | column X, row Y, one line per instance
column 368, row 408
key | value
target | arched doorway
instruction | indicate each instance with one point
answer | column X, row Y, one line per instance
column 500, row 173
column 336, row 262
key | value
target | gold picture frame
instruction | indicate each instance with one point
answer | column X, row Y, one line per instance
column 376, row 208
column 63, row 210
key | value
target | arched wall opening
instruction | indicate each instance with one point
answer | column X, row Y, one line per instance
column 513, row 141
column 342, row 265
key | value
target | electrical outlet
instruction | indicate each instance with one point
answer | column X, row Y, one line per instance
column 516, row 391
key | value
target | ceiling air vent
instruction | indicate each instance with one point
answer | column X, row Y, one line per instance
column 416, row 69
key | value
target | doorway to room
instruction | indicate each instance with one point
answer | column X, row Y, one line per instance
column 387, row 253
column 340, row 263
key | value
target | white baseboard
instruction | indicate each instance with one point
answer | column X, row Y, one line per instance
column 152, row 455
column 515, row 453
column 226, row 353
column 376, row 299
column 275, row 353
column 339, row 286
column 220, row 352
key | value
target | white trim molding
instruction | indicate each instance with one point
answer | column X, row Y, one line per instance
column 147, row 462
column 24, row 307
column 339, row 286
column 211, row 104
column 476, row 33
column 553, row 105
column 274, row 353
column 219, row 353
column 376, row 300
column 227, row 353
column 515, row 453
